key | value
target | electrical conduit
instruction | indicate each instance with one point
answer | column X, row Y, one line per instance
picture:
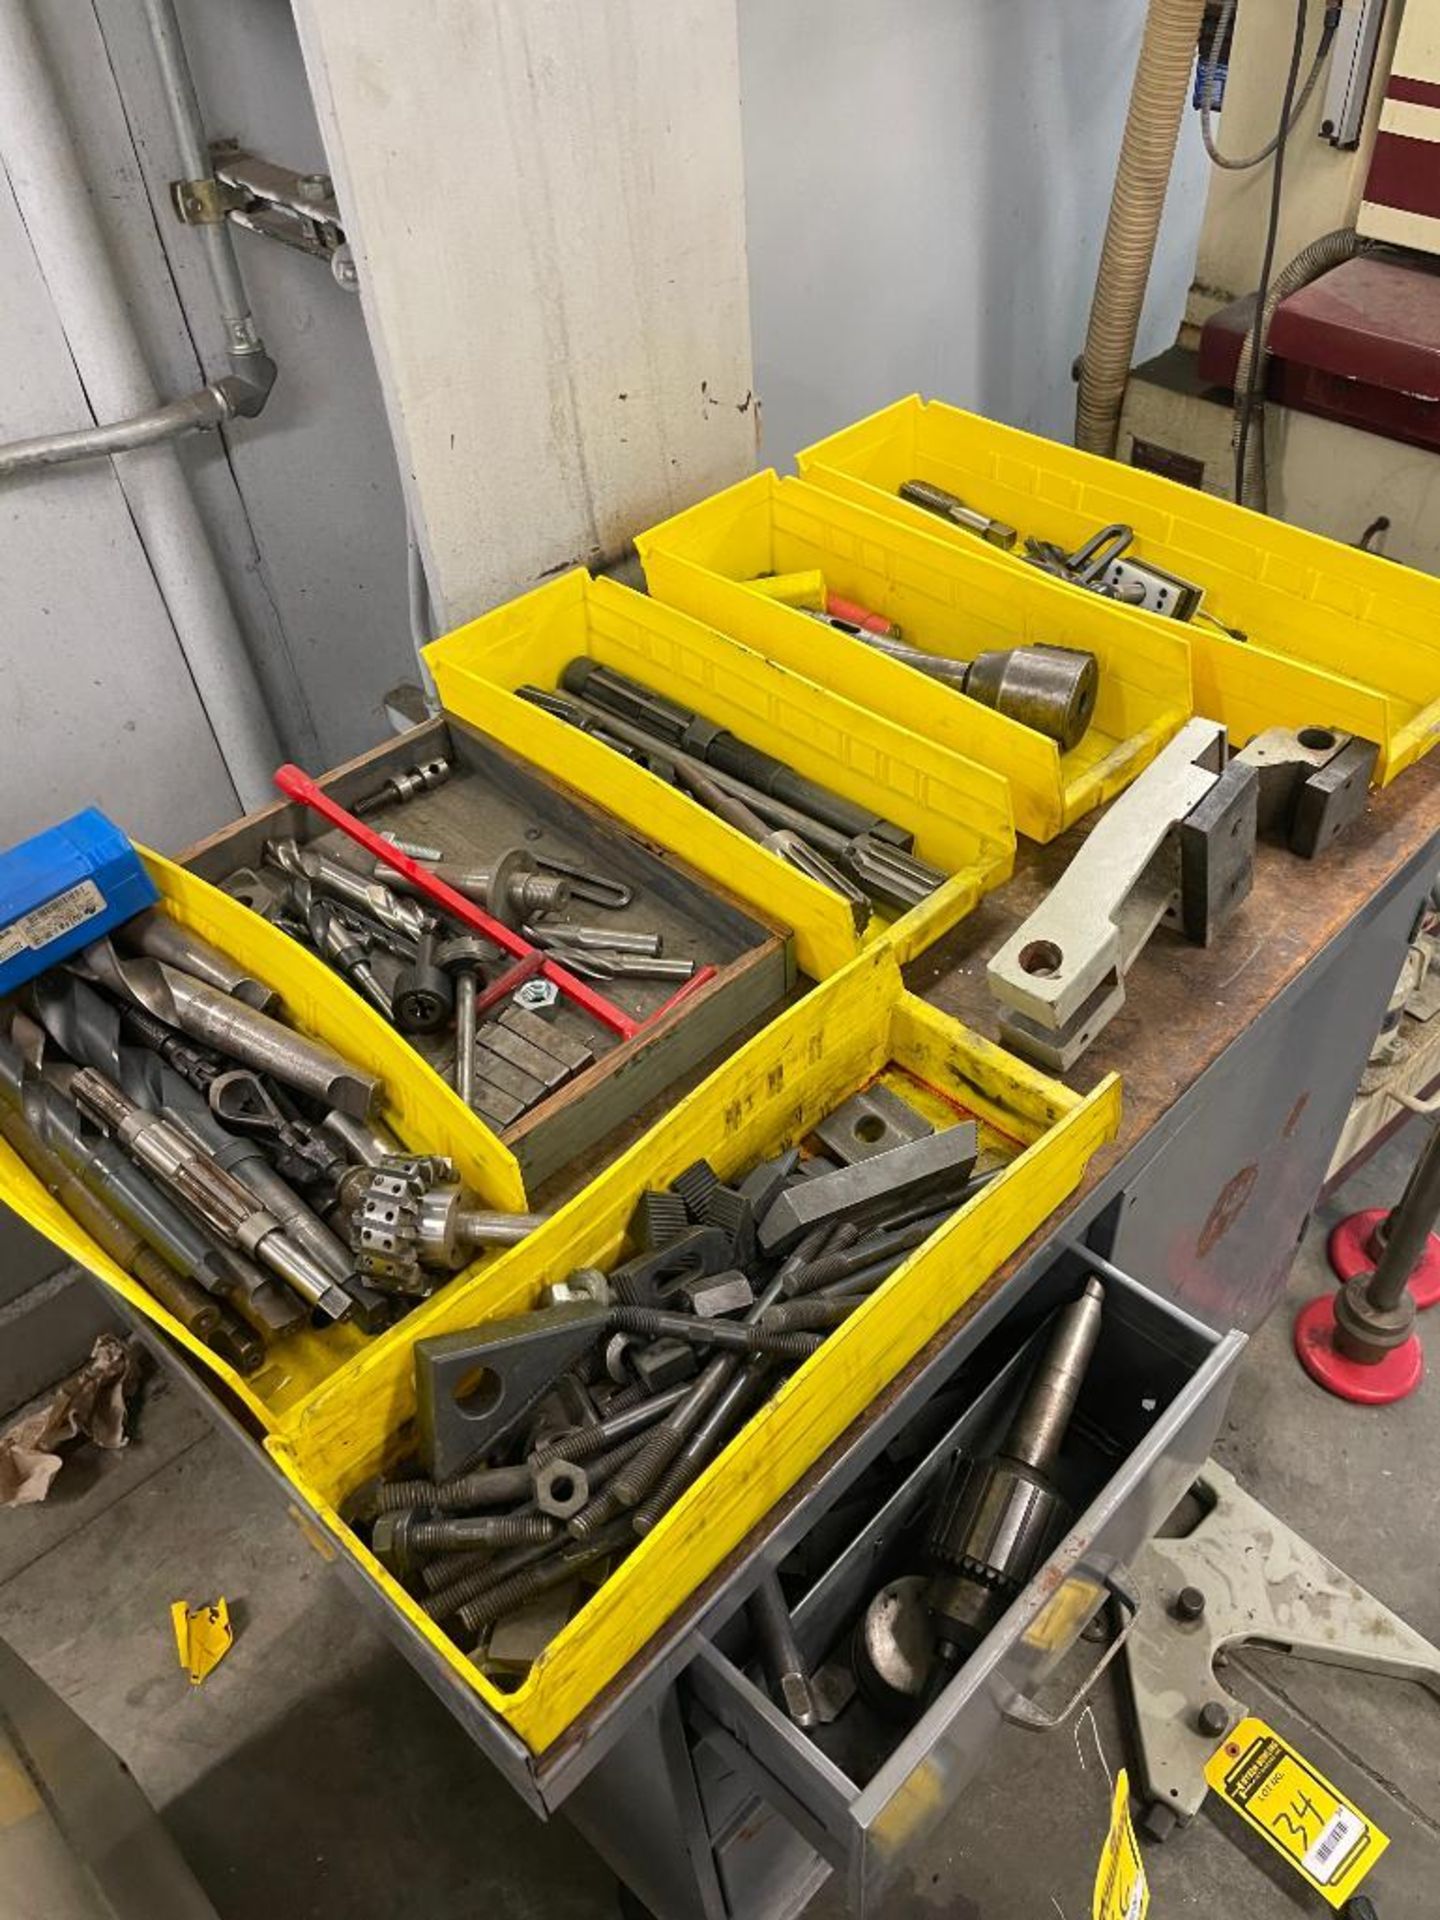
column 1309, row 264
column 1147, row 154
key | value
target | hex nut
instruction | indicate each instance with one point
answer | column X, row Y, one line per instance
column 537, row 996
column 1213, row 1718
column 390, row 1543
column 561, row 1489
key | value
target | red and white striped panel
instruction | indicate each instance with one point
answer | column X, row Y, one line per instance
column 1401, row 202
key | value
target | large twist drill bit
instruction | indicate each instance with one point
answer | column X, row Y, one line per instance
column 155, row 935
column 227, row 1024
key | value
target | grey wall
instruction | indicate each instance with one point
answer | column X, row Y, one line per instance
column 927, row 183
column 303, row 504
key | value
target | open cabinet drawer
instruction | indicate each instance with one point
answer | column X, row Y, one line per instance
column 861, row 1795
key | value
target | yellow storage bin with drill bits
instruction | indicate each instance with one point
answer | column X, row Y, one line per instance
column 419, row 1107
column 858, row 1026
column 958, row 812
column 1324, row 635
column 946, row 601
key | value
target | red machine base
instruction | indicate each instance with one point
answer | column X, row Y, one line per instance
column 1349, row 1254
column 1392, row 1378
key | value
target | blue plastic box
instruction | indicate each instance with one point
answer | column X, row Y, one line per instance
column 63, row 889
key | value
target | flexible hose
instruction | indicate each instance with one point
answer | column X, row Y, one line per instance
column 1309, row 264
column 1147, row 153
column 1207, row 129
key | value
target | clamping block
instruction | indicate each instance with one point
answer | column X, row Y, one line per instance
column 472, row 1387
column 870, row 1122
column 1061, row 977
column 1313, row 782
column 938, row 1164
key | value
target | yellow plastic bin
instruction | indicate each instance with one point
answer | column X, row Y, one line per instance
column 958, row 812
column 1334, row 637
column 856, row 1027
column 419, row 1108
column 946, row 599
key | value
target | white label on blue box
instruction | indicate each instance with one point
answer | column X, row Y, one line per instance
column 36, row 929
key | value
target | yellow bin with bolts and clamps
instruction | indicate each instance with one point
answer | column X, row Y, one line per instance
column 858, row 1027
column 958, row 812
column 418, row 1106
column 1295, row 630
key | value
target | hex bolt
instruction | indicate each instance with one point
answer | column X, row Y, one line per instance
column 583, row 1443
column 1189, row 1603
column 780, row 1652
column 541, row 1578
column 844, row 1262
column 807, row 1316
column 485, row 1487
column 472, row 1576
column 825, row 1239
column 1212, row 1719
column 399, row 1539
column 712, row 1333
column 453, row 1567
column 698, row 1450
column 661, row 1445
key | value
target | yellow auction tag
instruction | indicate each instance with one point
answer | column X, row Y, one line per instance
column 1122, row 1891
column 1329, row 1842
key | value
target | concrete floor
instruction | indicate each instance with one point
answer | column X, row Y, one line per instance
column 314, row 1775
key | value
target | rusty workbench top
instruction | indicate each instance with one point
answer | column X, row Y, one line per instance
column 1184, row 1005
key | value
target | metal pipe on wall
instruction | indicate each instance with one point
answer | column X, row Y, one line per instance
column 39, row 157
column 196, row 411
column 242, row 337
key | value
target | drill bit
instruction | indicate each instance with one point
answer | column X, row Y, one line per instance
column 88, row 1028
column 235, row 1029
column 382, row 903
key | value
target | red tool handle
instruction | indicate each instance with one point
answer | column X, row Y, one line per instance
column 852, row 610
column 296, row 784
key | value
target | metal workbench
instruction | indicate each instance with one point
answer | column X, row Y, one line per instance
column 1238, row 1063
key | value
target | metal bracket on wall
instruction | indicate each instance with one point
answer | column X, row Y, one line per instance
column 297, row 209
column 1061, row 977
